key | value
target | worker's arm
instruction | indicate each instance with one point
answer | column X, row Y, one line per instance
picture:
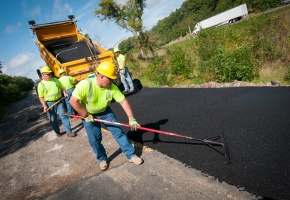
column 124, row 63
column 128, row 110
column 75, row 103
column 64, row 92
column 75, row 82
column 43, row 103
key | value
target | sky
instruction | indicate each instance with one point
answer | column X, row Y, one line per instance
column 19, row 54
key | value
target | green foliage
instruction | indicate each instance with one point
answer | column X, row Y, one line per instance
column 127, row 16
column 127, row 45
column 236, row 65
column 287, row 76
column 13, row 89
column 158, row 71
column 238, row 51
column 179, row 63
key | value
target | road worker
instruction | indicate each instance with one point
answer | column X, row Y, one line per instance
column 91, row 99
column 68, row 83
column 50, row 91
column 124, row 72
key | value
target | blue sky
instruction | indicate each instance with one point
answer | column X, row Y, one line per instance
column 18, row 52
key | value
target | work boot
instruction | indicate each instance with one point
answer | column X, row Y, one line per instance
column 136, row 160
column 71, row 134
column 125, row 91
column 104, row 165
column 58, row 134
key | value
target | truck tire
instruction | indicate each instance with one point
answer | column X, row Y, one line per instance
column 137, row 85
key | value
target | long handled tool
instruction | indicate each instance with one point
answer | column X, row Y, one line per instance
column 211, row 143
column 35, row 117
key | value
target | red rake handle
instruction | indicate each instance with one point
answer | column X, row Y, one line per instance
column 151, row 130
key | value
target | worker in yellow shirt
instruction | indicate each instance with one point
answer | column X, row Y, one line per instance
column 68, row 83
column 91, row 99
column 50, row 91
column 124, row 72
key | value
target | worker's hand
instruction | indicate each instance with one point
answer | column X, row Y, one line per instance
column 89, row 118
column 133, row 123
column 45, row 109
column 122, row 71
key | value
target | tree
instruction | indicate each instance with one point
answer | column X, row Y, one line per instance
column 127, row 16
column 1, row 67
column 98, row 39
column 86, row 35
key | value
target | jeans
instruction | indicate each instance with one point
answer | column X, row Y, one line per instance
column 58, row 109
column 94, row 134
column 68, row 106
column 127, row 77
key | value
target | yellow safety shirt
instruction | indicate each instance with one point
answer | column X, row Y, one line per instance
column 120, row 60
column 94, row 98
column 67, row 82
column 50, row 90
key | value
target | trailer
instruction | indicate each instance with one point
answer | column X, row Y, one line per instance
column 229, row 16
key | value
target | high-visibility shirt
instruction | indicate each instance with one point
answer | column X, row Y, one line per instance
column 120, row 60
column 67, row 82
column 50, row 90
column 94, row 98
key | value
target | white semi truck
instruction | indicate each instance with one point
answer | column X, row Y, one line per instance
column 229, row 16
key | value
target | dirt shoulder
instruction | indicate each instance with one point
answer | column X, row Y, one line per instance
column 35, row 163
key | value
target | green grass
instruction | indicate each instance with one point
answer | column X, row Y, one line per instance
column 253, row 50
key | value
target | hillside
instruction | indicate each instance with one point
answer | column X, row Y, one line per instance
column 253, row 50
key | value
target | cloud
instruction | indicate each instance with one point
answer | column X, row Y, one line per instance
column 158, row 10
column 60, row 10
column 35, row 11
column 24, row 64
column 20, row 59
column 12, row 28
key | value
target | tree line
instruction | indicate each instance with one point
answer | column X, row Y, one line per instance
column 14, row 88
column 177, row 24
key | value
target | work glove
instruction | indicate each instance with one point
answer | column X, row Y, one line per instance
column 122, row 71
column 133, row 124
column 89, row 118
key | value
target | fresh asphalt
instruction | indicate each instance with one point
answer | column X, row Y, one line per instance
column 256, row 126
column 255, row 122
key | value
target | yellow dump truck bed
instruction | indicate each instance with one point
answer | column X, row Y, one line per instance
column 62, row 46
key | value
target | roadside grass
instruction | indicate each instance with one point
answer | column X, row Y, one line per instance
column 253, row 50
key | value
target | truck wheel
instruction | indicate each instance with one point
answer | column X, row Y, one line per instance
column 137, row 85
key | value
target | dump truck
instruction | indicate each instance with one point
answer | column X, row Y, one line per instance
column 230, row 16
column 62, row 46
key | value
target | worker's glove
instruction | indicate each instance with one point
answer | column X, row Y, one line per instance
column 89, row 118
column 133, row 124
column 122, row 71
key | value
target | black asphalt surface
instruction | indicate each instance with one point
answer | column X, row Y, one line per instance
column 255, row 122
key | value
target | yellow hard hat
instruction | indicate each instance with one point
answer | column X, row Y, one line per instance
column 46, row 69
column 116, row 49
column 107, row 69
column 61, row 71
